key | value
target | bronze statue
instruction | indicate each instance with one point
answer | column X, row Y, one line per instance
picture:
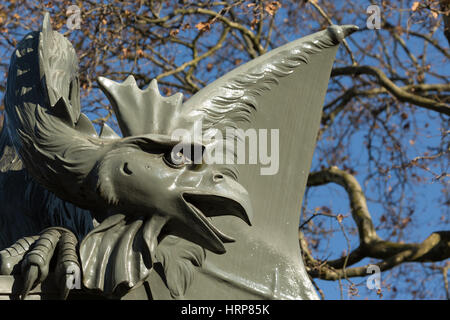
column 130, row 210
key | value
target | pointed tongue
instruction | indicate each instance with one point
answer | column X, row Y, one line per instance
column 222, row 236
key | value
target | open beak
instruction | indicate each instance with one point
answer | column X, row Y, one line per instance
column 226, row 198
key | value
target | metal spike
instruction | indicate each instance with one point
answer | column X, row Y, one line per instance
column 85, row 125
column 108, row 133
column 154, row 85
column 47, row 29
column 61, row 109
column 130, row 81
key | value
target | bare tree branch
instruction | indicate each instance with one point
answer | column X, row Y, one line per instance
column 396, row 91
column 434, row 248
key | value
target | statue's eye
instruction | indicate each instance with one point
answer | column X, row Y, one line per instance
column 176, row 159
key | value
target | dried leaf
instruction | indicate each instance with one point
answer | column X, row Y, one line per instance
column 379, row 293
column 124, row 52
column 253, row 23
column 415, row 5
column 167, row 91
column 325, row 209
column 353, row 290
column 203, row 26
column 404, row 115
column 174, row 32
column 272, row 7
column 406, row 220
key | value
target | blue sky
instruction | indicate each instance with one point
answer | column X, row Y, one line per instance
column 426, row 195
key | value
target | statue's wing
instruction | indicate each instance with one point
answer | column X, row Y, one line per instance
column 282, row 90
column 235, row 97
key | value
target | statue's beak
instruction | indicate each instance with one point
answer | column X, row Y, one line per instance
column 225, row 197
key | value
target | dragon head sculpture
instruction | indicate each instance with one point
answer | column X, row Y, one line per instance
column 135, row 191
column 139, row 177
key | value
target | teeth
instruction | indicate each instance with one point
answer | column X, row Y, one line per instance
column 151, row 232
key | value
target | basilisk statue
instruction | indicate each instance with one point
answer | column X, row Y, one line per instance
column 119, row 208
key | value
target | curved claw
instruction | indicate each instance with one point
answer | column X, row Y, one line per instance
column 30, row 278
column 68, row 267
column 36, row 263
column 33, row 255
column 64, row 289
column 11, row 257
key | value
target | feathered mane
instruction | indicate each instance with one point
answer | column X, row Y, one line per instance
column 44, row 134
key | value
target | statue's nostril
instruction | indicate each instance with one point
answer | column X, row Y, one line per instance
column 217, row 177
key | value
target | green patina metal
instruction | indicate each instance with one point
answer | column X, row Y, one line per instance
column 117, row 207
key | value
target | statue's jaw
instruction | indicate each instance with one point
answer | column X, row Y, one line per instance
column 214, row 233
column 198, row 207
column 109, row 256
